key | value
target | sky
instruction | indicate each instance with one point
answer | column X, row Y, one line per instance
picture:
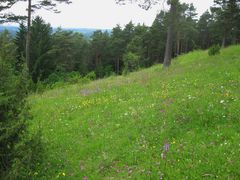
column 103, row 14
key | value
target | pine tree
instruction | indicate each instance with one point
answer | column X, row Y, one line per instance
column 20, row 42
column 156, row 39
column 170, row 32
column 117, row 45
column 40, row 65
column 13, row 114
column 204, row 30
column 227, row 16
column 46, row 4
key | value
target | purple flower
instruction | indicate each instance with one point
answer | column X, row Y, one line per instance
column 166, row 147
column 84, row 178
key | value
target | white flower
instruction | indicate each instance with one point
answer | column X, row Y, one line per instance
column 222, row 101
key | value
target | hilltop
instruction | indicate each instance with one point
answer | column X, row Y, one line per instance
column 180, row 123
column 86, row 32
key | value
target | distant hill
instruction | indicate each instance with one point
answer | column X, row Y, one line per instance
column 87, row 32
column 11, row 29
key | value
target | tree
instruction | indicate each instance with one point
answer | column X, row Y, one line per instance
column 117, row 45
column 131, row 62
column 100, row 51
column 46, row 4
column 203, row 27
column 40, row 64
column 16, row 153
column 227, row 15
column 185, row 28
column 70, row 52
column 146, row 4
column 20, row 42
column 137, row 44
column 155, row 40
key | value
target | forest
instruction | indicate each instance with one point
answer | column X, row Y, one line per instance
column 37, row 59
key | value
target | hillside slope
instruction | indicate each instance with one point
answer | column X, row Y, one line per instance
column 181, row 123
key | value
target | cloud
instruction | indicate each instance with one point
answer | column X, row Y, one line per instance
column 102, row 14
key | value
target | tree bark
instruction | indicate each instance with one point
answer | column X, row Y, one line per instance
column 186, row 46
column 178, row 43
column 168, row 50
column 224, row 40
column 118, row 61
column 169, row 43
column 28, row 34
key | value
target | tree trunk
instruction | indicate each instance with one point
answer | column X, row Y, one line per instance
column 178, row 44
column 168, row 49
column 169, row 43
column 186, row 46
column 117, row 66
column 28, row 34
column 234, row 39
column 224, row 41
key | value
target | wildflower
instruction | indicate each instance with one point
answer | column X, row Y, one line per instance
column 63, row 174
column 162, row 155
column 84, row 178
column 166, row 146
column 222, row 101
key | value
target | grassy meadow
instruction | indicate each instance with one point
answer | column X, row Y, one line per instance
column 179, row 123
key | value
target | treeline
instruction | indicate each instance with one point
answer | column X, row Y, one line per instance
column 128, row 48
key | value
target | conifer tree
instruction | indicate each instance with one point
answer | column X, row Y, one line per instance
column 146, row 4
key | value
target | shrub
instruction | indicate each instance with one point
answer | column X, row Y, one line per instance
column 91, row 76
column 131, row 62
column 214, row 50
column 73, row 77
column 59, row 79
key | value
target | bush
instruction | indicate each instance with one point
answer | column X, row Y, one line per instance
column 59, row 79
column 131, row 62
column 91, row 76
column 214, row 50
column 73, row 77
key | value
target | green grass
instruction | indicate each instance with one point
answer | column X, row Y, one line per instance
column 116, row 128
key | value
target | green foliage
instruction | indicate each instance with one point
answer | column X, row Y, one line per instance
column 40, row 65
column 155, row 41
column 214, row 50
column 91, row 75
column 182, row 123
column 20, row 42
column 131, row 62
column 16, row 161
column 70, row 51
column 62, row 79
column 226, row 13
column 59, row 79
